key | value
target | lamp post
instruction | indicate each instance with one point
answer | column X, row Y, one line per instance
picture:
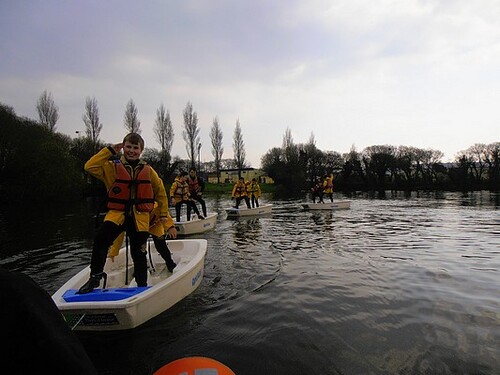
column 199, row 157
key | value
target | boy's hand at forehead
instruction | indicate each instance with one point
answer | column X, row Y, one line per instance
column 118, row 147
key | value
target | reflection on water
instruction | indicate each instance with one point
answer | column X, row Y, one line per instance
column 398, row 284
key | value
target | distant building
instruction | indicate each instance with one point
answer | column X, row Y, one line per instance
column 230, row 176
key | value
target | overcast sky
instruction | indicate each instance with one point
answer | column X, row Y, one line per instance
column 352, row 73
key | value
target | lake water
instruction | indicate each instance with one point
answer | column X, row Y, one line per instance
column 401, row 284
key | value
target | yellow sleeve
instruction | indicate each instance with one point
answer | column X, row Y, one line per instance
column 173, row 188
column 160, row 193
column 101, row 168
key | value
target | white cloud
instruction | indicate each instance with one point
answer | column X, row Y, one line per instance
column 420, row 73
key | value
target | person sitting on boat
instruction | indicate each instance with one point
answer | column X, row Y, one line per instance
column 159, row 230
column 254, row 192
column 196, row 188
column 133, row 186
column 179, row 194
column 240, row 192
column 328, row 186
column 317, row 191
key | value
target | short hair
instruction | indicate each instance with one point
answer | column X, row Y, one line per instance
column 183, row 173
column 135, row 139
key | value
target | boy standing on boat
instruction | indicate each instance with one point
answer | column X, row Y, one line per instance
column 240, row 192
column 254, row 191
column 317, row 191
column 179, row 194
column 133, row 186
column 196, row 187
column 328, row 186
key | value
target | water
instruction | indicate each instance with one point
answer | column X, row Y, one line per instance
column 395, row 285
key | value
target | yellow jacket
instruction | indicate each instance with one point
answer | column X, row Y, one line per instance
column 157, row 228
column 179, row 191
column 328, row 185
column 254, row 188
column 239, row 190
column 103, row 169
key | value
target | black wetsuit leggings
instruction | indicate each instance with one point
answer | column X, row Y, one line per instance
column 104, row 238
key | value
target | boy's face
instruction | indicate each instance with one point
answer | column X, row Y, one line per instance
column 131, row 151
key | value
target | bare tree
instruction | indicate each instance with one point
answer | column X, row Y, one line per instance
column 164, row 130
column 239, row 148
column 92, row 123
column 289, row 149
column 48, row 112
column 191, row 133
column 164, row 135
column 477, row 154
column 130, row 119
column 217, row 149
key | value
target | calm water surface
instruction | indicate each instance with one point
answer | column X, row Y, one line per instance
column 395, row 285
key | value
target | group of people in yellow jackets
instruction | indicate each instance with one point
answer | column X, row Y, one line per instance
column 249, row 191
column 323, row 187
column 186, row 190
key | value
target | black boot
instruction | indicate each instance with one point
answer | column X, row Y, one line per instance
column 93, row 283
column 171, row 266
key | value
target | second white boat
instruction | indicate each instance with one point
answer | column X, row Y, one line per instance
column 245, row 211
column 196, row 225
column 335, row 205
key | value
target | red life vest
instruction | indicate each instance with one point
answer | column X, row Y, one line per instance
column 127, row 191
column 193, row 184
column 241, row 190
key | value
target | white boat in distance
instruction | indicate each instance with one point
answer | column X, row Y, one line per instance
column 263, row 209
column 124, row 306
column 335, row 205
column 196, row 225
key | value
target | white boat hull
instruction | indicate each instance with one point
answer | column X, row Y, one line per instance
column 196, row 225
column 244, row 211
column 164, row 290
column 335, row 205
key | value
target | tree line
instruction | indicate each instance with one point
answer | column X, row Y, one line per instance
column 383, row 167
column 37, row 162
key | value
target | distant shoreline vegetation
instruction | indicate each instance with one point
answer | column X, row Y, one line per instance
column 39, row 164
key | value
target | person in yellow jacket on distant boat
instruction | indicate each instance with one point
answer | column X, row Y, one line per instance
column 133, row 186
column 159, row 230
column 328, row 186
column 240, row 192
column 179, row 195
column 254, row 192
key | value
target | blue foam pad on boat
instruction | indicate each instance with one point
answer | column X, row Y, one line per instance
column 111, row 294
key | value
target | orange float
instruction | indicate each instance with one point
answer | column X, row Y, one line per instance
column 188, row 366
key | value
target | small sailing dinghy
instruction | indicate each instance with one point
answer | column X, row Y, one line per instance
column 335, row 205
column 196, row 225
column 124, row 306
column 263, row 209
